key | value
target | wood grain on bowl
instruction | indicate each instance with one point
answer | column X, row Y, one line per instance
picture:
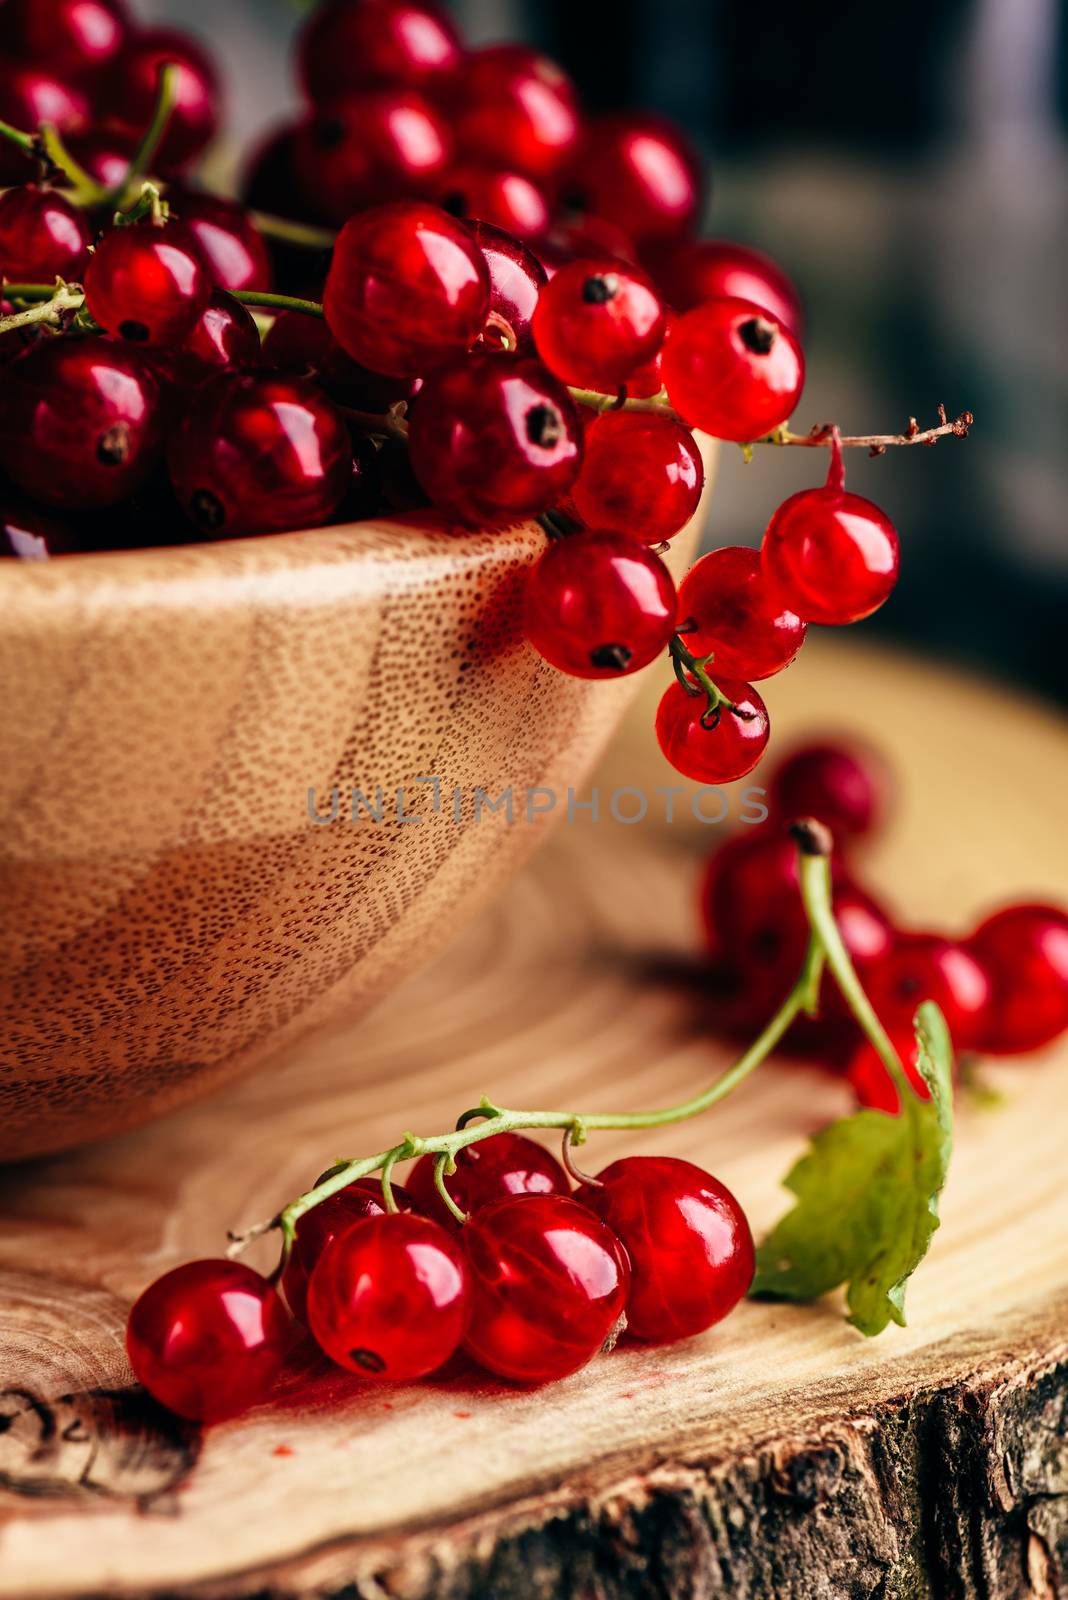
column 170, row 913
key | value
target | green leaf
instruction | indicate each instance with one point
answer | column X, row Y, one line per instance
column 867, row 1197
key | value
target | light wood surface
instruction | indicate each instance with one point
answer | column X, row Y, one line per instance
column 170, row 915
column 779, row 1455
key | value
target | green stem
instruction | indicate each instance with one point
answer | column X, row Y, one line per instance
column 596, row 401
column 69, row 297
column 488, row 1119
column 48, row 294
column 29, row 291
column 277, row 302
column 87, row 192
column 690, row 667
column 815, row 894
column 288, row 232
column 23, row 140
column 141, row 160
column 444, row 1166
column 388, row 1198
column 149, row 203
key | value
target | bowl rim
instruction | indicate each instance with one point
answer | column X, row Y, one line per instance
column 423, row 532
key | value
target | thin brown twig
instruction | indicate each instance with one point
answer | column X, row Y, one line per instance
column 877, row 444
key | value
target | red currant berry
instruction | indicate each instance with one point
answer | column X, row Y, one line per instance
column 744, row 875
column 497, row 1168
column 232, row 247
column 690, row 1248
column 599, row 605
column 103, row 153
column 305, row 346
column 832, row 556
column 518, row 104
column 872, row 1083
column 508, row 200
column 843, row 786
column 758, row 949
column 148, row 285
column 596, row 321
column 548, row 1285
column 926, row 966
column 388, row 1297
column 517, row 277
column 225, row 336
column 867, row 932
column 133, row 88
column 1024, row 951
column 29, row 96
column 718, row 746
column 75, row 38
column 641, row 173
column 642, row 475
column 321, row 1225
column 350, row 44
column 367, row 149
column 494, row 438
column 42, row 237
column 207, row 1339
column 732, row 370
column 648, row 380
column 718, row 269
column 81, row 422
column 259, row 453
column 298, row 343
column 740, row 624
column 408, row 289
column 584, row 238
column 750, row 873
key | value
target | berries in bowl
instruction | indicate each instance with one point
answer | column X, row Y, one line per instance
column 339, row 521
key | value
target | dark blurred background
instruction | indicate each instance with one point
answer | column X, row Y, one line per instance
column 906, row 163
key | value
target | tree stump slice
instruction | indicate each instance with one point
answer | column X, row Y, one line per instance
column 780, row 1455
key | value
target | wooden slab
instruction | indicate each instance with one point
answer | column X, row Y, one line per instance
column 779, row 1455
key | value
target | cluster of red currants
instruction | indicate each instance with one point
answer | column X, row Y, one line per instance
column 529, row 333
column 1003, row 989
column 532, row 1285
column 86, row 70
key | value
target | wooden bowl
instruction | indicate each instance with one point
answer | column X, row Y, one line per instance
column 171, row 913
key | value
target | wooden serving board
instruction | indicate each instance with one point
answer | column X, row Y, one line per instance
column 779, row 1455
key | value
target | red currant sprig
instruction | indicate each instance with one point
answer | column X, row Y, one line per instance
column 530, row 1280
